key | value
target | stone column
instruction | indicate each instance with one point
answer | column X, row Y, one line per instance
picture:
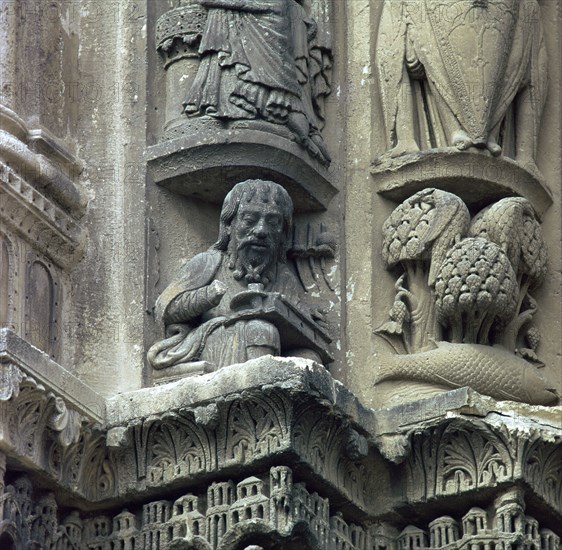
column 7, row 52
column 9, row 88
column 2, row 483
column 178, row 33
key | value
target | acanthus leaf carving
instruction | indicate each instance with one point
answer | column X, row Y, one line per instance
column 11, row 377
column 254, row 427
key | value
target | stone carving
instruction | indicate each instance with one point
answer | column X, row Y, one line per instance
column 40, row 204
column 43, row 305
column 313, row 255
column 173, row 447
column 503, row 525
column 462, row 307
column 244, row 429
column 454, row 458
column 8, row 263
column 463, row 74
column 460, row 456
column 417, row 236
column 255, row 428
column 262, row 62
column 271, row 509
column 543, row 470
column 335, row 452
column 513, row 225
column 41, row 427
column 239, row 300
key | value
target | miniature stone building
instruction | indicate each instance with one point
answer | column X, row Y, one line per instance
column 280, row 275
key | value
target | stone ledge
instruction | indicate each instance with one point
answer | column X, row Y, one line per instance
column 207, row 164
column 395, row 425
column 50, row 423
column 462, row 443
column 293, row 375
column 478, row 179
column 242, row 419
column 55, row 378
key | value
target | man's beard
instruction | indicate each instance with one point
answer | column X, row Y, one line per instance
column 253, row 264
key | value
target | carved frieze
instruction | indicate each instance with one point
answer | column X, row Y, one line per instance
column 44, row 428
column 463, row 315
column 502, row 523
column 244, row 425
column 460, row 457
column 270, row 509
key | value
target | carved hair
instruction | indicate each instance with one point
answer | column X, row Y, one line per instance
column 266, row 191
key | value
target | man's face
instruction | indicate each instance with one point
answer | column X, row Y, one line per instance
column 257, row 231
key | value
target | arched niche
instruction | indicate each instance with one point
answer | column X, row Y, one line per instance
column 9, row 536
column 7, row 272
column 41, row 306
column 258, row 534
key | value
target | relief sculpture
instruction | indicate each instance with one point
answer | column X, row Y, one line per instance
column 463, row 74
column 239, row 300
column 262, row 61
column 462, row 314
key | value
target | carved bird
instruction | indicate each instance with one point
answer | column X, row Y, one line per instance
column 424, row 227
column 513, row 225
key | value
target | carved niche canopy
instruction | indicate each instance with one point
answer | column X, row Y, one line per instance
column 245, row 90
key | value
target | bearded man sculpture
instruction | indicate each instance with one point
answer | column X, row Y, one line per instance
column 228, row 304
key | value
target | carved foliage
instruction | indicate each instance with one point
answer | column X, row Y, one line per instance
column 174, row 446
column 465, row 284
column 543, row 470
column 241, row 431
column 254, row 427
column 67, row 446
column 453, row 459
column 332, row 450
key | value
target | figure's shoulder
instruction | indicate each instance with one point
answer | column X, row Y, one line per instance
column 199, row 270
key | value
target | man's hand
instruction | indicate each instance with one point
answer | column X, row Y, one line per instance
column 215, row 292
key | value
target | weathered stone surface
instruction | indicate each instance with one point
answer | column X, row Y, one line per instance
column 475, row 177
column 207, row 162
column 239, row 418
column 461, row 442
column 268, row 63
column 92, row 114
